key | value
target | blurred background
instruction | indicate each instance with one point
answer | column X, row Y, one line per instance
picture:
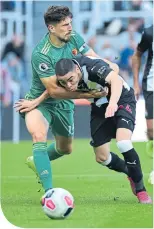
column 112, row 28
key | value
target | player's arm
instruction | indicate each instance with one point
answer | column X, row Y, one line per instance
column 136, row 62
column 24, row 105
column 116, row 83
column 101, row 73
column 54, row 91
column 113, row 66
column 58, row 92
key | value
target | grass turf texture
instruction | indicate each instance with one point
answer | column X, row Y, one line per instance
column 103, row 198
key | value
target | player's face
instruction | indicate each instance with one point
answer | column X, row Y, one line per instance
column 71, row 80
column 63, row 29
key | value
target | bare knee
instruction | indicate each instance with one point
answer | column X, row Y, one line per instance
column 39, row 136
column 102, row 153
column 101, row 157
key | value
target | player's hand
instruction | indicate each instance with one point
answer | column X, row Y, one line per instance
column 111, row 109
column 99, row 94
column 24, row 105
column 137, row 91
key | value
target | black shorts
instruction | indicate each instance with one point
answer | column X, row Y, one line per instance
column 104, row 129
column 148, row 96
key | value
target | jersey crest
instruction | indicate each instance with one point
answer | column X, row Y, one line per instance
column 74, row 52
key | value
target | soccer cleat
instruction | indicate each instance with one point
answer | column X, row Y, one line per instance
column 132, row 185
column 144, row 198
column 30, row 163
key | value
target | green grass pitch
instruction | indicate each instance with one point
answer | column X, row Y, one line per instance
column 103, row 198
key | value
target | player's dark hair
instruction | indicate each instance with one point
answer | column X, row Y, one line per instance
column 56, row 14
column 64, row 66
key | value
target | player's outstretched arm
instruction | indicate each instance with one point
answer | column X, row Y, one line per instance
column 54, row 91
column 58, row 92
column 116, row 89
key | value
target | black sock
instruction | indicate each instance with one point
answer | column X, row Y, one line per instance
column 117, row 164
column 134, row 169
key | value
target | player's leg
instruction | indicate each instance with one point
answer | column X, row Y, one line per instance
column 63, row 130
column 37, row 126
column 148, row 96
column 149, row 120
column 150, row 128
column 123, row 137
column 109, row 159
column 102, row 131
column 149, row 145
column 62, row 146
column 53, row 152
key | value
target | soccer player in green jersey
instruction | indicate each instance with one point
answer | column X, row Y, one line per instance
column 53, row 111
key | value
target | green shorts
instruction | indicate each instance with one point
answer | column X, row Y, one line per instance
column 60, row 117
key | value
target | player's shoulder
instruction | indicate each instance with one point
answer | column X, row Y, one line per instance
column 75, row 37
column 87, row 61
column 42, row 47
column 82, row 60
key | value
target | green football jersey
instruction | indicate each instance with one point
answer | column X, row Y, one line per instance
column 44, row 58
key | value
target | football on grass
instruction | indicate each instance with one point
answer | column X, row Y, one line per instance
column 57, row 203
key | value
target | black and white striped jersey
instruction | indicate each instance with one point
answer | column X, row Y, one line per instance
column 94, row 72
column 146, row 44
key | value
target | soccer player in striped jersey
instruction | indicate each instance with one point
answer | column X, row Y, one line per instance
column 146, row 44
column 112, row 116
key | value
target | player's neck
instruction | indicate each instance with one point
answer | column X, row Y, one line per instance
column 55, row 41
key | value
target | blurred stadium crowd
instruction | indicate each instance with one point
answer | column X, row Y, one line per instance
column 114, row 38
